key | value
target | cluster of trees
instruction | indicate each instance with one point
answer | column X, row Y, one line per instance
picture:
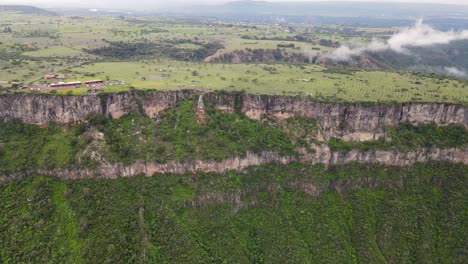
column 168, row 48
column 24, row 146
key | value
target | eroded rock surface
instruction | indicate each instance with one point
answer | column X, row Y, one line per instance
column 348, row 121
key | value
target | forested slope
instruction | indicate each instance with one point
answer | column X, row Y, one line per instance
column 268, row 214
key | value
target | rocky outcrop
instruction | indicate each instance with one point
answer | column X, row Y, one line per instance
column 259, row 55
column 117, row 170
column 352, row 121
column 43, row 108
column 322, row 155
column 356, row 61
column 349, row 121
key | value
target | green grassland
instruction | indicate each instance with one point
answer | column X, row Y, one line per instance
column 264, row 215
column 59, row 51
column 39, row 45
column 308, row 80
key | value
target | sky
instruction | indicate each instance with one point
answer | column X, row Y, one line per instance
column 165, row 3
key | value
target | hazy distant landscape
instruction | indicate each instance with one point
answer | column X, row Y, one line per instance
column 149, row 51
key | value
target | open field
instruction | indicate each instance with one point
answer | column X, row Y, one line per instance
column 38, row 45
column 58, row 51
column 311, row 80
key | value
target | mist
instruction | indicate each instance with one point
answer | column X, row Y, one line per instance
column 421, row 35
column 453, row 71
column 156, row 4
column 113, row 4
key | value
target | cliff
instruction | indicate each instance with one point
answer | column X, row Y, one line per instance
column 349, row 121
column 322, row 155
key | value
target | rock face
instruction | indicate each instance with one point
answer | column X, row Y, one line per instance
column 356, row 61
column 259, row 55
column 40, row 109
column 323, row 155
column 349, row 121
column 116, row 170
column 356, row 121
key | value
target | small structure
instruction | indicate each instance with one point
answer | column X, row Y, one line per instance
column 66, row 85
column 93, row 83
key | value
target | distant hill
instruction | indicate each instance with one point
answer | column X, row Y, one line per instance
column 25, row 9
column 346, row 9
column 378, row 14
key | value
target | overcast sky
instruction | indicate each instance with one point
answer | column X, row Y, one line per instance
column 164, row 3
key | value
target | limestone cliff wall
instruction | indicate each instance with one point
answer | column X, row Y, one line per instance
column 323, row 155
column 43, row 108
column 350, row 121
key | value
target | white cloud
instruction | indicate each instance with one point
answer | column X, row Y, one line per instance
column 420, row 35
column 455, row 72
column 344, row 53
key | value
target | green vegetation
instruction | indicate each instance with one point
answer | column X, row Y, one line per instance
column 59, row 51
column 179, row 135
column 171, row 49
column 407, row 137
column 176, row 135
column 273, row 213
column 304, row 80
column 294, row 213
column 168, row 54
column 24, row 146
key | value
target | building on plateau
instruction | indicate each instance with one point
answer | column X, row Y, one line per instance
column 66, row 85
column 92, row 83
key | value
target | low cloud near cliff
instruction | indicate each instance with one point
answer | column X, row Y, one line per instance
column 455, row 72
column 421, row 35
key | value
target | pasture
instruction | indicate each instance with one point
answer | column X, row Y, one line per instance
column 38, row 45
column 308, row 80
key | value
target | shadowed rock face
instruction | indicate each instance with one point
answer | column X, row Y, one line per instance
column 349, row 121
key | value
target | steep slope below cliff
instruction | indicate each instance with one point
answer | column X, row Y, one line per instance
column 272, row 213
